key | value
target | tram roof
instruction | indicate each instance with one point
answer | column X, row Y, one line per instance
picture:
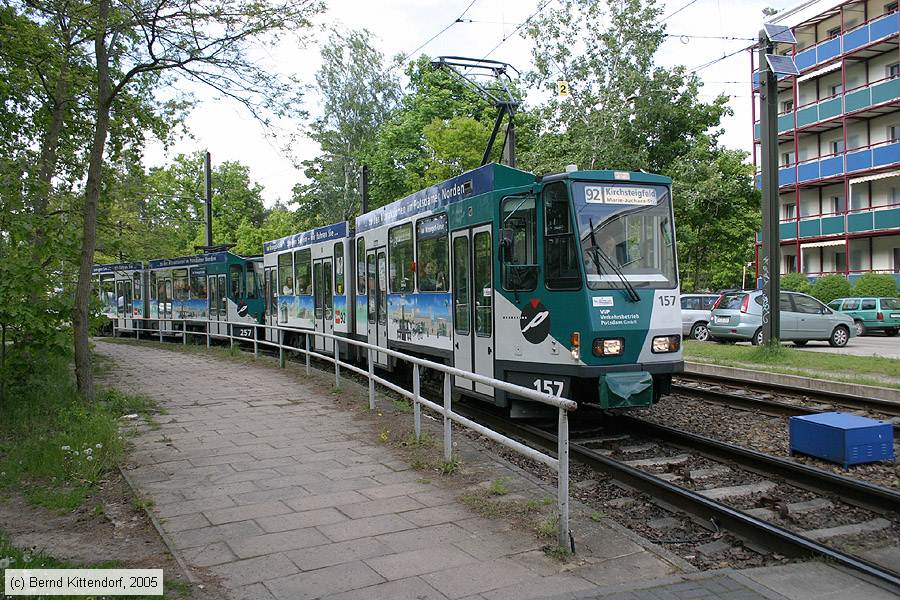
column 478, row 181
column 307, row 238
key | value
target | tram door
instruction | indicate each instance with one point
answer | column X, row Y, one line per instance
column 271, row 303
column 376, row 288
column 473, row 310
column 323, row 291
column 212, row 303
column 164, row 297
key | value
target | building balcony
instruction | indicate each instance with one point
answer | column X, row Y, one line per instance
column 834, row 166
column 855, row 222
column 866, row 36
column 861, row 101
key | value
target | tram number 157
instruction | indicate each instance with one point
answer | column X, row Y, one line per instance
column 554, row 388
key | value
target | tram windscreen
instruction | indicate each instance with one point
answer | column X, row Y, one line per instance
column 626, row 230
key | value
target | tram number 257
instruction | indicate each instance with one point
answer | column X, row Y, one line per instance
column 547, row 386
column 245, row 332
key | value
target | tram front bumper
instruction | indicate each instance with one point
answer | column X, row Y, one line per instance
column 628, row 389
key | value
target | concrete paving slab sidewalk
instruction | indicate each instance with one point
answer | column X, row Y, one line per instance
column 260, row 480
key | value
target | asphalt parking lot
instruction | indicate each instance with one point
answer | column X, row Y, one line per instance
column 867, row 345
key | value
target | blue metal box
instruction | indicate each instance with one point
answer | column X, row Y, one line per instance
column 842, row 438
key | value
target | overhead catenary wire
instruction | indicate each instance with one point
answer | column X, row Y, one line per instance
column 540, row 7
column 717, row 60
column 435, row 36
column 678, row 10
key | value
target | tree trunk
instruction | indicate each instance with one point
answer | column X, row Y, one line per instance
column 83, row 374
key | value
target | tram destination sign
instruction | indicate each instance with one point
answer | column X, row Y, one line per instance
column 128, row 266
column 313, row 236
column 182, row 261
column 472, row 183
column 619, row 194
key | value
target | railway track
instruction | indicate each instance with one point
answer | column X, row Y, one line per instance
column 655, row 472
column 781, row 400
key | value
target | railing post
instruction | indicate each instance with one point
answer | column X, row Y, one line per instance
column 160, row 330
column 371, row 381
column 417, row 408
column 562, row 454
column 448, row 443
column 137, row 330
column 256, row 342
column 207, row 333
column 307, row 355
column 230, row 331
column 337, row 365
column 184, row 332
column 281, row 348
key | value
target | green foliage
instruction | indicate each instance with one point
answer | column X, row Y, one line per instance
column 877, row 285
column 795, row 282
column 498, row 487
column 829, row 287
column 54, row 446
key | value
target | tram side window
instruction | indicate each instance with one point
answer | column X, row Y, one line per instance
column 361, row 266
column 235, row 275
column 213, row 302
column 108, row 293
column 182, row 286
column 560, row 247
column 129, row 306
column 250, row 282
column 138, row 288
column 120, row 298
column 285, row 274
column 519, row 229
column 400, row 246
column 339, row 268
column 373, row 298
column 302, row 272
column 198, row 285
column 431, row 252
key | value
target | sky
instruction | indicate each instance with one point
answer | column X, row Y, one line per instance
column 401, row 26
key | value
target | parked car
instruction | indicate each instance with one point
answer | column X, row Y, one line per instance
column 695, row 315
column 871, row 314
column 738, row 316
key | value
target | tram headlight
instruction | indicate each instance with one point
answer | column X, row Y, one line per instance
column 666, row 343
column 613, row 347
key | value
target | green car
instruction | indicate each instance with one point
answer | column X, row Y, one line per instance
column 871, row 314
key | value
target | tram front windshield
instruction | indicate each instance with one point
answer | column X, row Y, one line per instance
column 626, row 232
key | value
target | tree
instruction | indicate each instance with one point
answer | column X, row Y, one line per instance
column 795, row 282
column 137, row 41
column 876, row 285
column 716, row 213
column 358, row 94
column 623, row 111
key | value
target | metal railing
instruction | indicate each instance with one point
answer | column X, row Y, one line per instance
column 560, row 464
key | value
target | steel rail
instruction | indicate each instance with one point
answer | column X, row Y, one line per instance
column 852, row 491
column 873, row 404
column 750, row 528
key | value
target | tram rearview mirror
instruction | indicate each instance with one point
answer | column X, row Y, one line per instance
column 507, row 243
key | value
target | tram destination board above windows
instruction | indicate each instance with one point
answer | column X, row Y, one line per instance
column 779, row 33
column 782, row 65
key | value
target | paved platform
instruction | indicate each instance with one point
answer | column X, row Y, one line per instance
column 259, row 480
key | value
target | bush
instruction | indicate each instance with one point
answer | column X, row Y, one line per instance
column 829, row 287
column 878, row 285
column 795, row 282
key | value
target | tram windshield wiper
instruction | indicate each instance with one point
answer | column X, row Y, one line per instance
column 597, row 254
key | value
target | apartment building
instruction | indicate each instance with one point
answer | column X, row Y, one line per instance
column 839, row 138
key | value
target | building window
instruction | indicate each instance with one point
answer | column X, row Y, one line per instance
column 787, row 159
column 789, row 211
column 890, row 7
column 836, row 204
column 840, row 262
column 833, row 32
column 892, row 70
column 837, row 146
column 852, row 142
column 790, row 263
column 896, row 260
column 856, row 258
column 893, row 133
column 836, row 89
column 895, row 195
column 787, row 106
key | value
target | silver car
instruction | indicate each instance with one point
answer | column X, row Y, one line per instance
column 695, row 315
column 738, row 316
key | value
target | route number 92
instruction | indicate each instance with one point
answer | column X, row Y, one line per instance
column 554, row 388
